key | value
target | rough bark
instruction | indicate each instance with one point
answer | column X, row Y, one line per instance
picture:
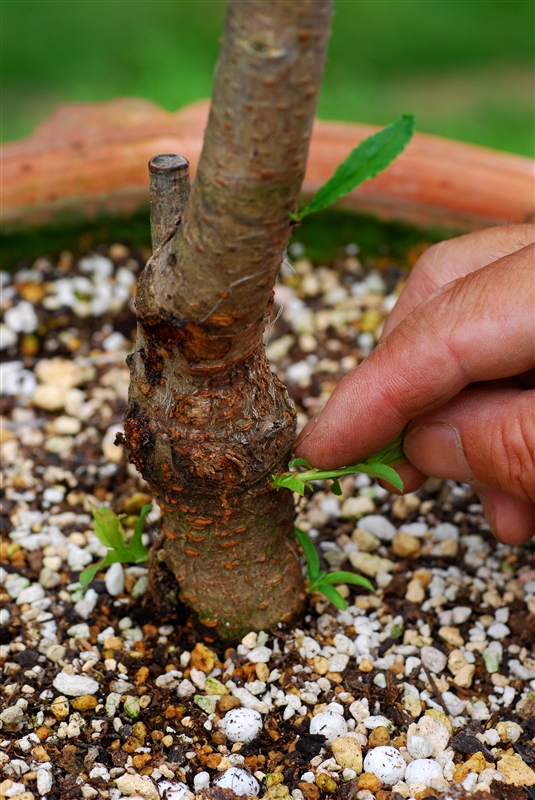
column 208, row 422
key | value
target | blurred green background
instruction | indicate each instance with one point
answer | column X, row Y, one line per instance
column 464, row 67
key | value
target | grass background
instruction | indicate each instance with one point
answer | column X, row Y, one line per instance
column 464, row 67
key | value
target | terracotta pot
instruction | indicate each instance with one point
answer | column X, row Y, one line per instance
column 92, row 158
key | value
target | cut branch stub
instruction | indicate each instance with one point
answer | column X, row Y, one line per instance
column 169, row 191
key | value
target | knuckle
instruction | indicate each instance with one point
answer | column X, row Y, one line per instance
column 513, row 456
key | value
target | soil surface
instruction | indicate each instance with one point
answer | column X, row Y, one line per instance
column 101, row 699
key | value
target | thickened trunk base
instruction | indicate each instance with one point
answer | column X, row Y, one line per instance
column 208, row 445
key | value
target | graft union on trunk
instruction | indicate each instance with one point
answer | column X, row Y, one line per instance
column 208, row 422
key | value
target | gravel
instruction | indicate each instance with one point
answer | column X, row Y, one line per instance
column 426, row 685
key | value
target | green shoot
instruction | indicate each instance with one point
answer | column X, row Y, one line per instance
column 111, row 533
column 377, row 466
column 369, row 158
column 319, row 581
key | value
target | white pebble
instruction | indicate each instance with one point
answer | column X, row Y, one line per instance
column 497, row 630
column 15, row 584
column 386, row 763
column 15, row 790
column 114, row 579
column 460, row 614
column 422, row 770
column 433, row 659
column 453, row 703
column 239, row 781
column 378, row 721
column 79, row 631
column 419, row 746
column 75, row 685
column 186, row 688
column 470, row 781
column 172, row 791
column 379, row 526
column 331, row 506
column 169, row 680
column 201, row 781
column 309, row 647
column 259, row 655
column 328, row 724
column 100, row 771
column 8, row 337
column 21, row 318
column 31, row 594
column 446, row 530
column 115, row 341
column 241, row 724
column 84, row 608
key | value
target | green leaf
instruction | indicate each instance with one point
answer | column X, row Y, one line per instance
column 311, row 556
column 108, row 528
column 391, row 454
column 383, row 472
column 101, row 526
column 290, row 481
column 336, row 488
column 369, row 158
column 111, row 557
column 299, row 462
column 136, row 548
column 334, row 596
column 348, row 577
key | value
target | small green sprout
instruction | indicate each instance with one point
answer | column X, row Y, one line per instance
column 369, row 158
column 377, row 466
column 319, row 581
column 111, row 533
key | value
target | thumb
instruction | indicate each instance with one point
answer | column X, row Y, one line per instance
column 485, row 437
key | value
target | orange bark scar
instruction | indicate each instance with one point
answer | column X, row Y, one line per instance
column 227, row 544
column 190, row 552
column 195, row 538
column 230, row 565
column 222, row 319
column 170, row 535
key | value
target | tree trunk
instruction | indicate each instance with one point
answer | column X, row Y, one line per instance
column 208, row 422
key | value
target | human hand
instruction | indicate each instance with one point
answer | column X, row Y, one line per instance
column 456, row 361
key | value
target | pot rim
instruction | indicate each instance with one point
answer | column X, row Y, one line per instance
column 89, row 160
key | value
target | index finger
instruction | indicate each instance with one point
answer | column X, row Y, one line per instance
column 455, row 258
column 479, row 327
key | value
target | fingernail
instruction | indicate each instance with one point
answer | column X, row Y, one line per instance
column 437, row 450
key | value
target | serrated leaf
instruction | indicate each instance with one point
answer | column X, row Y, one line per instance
column 311, row 556
column 336, row 488
column 334, row 596
column 348, row 577
column 382, row 472
column 369, row 158
column 299, row 462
